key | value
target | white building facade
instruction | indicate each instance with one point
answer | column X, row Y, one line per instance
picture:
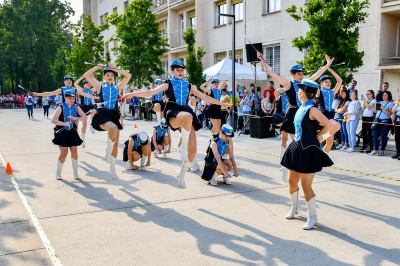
column 266, row 22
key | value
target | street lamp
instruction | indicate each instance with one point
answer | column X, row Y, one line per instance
column 233, row 67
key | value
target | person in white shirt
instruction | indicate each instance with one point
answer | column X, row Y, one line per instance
column 367, row 118
column 353, row 116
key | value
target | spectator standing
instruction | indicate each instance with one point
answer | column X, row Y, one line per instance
column 271, row 89
column 240, row 113
column 148, row 103
column 383, row 111
column 344, row 101
column 46, row 106
column 225, row 98
column 367, row 118
column 352, row 87
column 247, row 104
column 396, row 111
column 29, row 102
column 385, row 88
column 267, row 104
column 353, row 117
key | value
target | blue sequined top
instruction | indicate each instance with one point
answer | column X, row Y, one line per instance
column 73, row 111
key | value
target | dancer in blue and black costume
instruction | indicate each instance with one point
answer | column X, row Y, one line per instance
column 304, row 156
column 215, row 165
column 325, row 97
column 178, row 113
column 86, row 105
column 107, row 117
column 291, row 90
column 65, row 133
column 280, row 107
column 158, row 103
column 161, row 139
column 137, row 147
column 213, row 111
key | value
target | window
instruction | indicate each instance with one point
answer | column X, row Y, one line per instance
column 237, row 9
column 192, row 18
column 238, row 56
column 221, row 8
column 106, row 47
column 272, row 6
column 219, row 57
column 115, row 10
column 126, row 4
column 272, row 55
column 165, row 68
column 162, row 28
column 105, row 16
column 101, row 20
column 115, row 47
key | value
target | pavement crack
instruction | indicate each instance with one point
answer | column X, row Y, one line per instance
column 19, row 252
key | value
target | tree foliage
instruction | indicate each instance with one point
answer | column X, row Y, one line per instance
column 87, row 45
column 334, row 30
column 194, row 66
column 141, row 44
column 31, row 33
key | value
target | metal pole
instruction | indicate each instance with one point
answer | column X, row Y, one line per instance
column 233, row 75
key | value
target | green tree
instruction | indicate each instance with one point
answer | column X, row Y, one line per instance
column 31, row 33
column 87, row 45
column 194, row 66
column 141, row 44
column 334, row 30
column 107, row 58
column 59, row 68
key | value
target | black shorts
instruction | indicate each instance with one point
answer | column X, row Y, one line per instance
column 86, row 108
column 162, row 103
column 214, row 111
column 288, row 122
column 172, row 109
column 105, row 115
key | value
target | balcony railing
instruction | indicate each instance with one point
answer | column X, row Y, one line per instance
column 388, row 1
column 159, row 5
column 175, row 1
column 391, row 60
column 177, row 39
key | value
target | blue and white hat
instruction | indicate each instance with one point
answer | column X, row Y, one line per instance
column 227, row 130
column 69, row 92
column 69, row 77
column 296, row 68
column 158, row 81
column 214, row 81
column 177, row 63
column 109, row 69
column 85, row 81
column 163, row 123
column 308, row 86
column 143, row 138
column 324, row 77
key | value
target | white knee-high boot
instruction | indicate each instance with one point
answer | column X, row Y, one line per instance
column 195, row 166
column 213, row 180
column 59, row 168
column 158, row 115
column 75, row 168
column 184, row 145
column 112, row 168
column 110, row 145
column 181, row 174
column 143, row 162
column 166, row 147
column 83, row 139
column 294, row 198
column 312, row 214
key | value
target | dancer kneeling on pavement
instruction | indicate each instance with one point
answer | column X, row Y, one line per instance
column 215, row 164
column 161, row 139
column 137, row 147
column 179, row 114
column 107, row 117
column 304, row 156
column 65, row 133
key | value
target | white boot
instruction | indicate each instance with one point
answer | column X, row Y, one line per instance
column 181, row 174
column 59, row 168
column 158, row 115
column 184, row 145
column 112, row 168
column 142, row 163
column 227, row 180
column 166, row 147
column 294, row 198
column 281, row 156
column 83, row 137
column 75, row 168
column 195, row 166
column 92, row 129
column 312, row 214
column 110, row 145
column 285, row 174
column 213, row 181
column 155, row 154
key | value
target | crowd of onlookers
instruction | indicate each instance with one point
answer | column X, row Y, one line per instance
column 18, row 101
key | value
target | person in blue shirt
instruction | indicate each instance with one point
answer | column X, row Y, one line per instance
column 325, row 97
column 291, row 90
column 214, row 110
column 304, row 157
column 383, row 111
column 215, row 163
column 134, row 103
column 352, row 87
column 65, row 134
column 247, row 105
column 396, row 111
column 158, row 104
column 179, row 114
column 161, row 139
column 107, row 117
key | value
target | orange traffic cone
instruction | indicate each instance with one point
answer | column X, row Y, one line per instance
column 135, row 126
column 8, row 169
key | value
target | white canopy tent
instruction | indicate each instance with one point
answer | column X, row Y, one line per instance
column 223, row 71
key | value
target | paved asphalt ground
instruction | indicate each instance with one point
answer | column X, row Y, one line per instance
column 145, row 219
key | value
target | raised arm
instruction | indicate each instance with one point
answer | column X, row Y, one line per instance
column 276, row 77
column 92, row 80
column 45, row 94
column 339, row 80
column 146, row 93
column 204, row 86
column 76, row 84
column 81, row 93
column 323, row 69
column 127, row 76
column 206, row 98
